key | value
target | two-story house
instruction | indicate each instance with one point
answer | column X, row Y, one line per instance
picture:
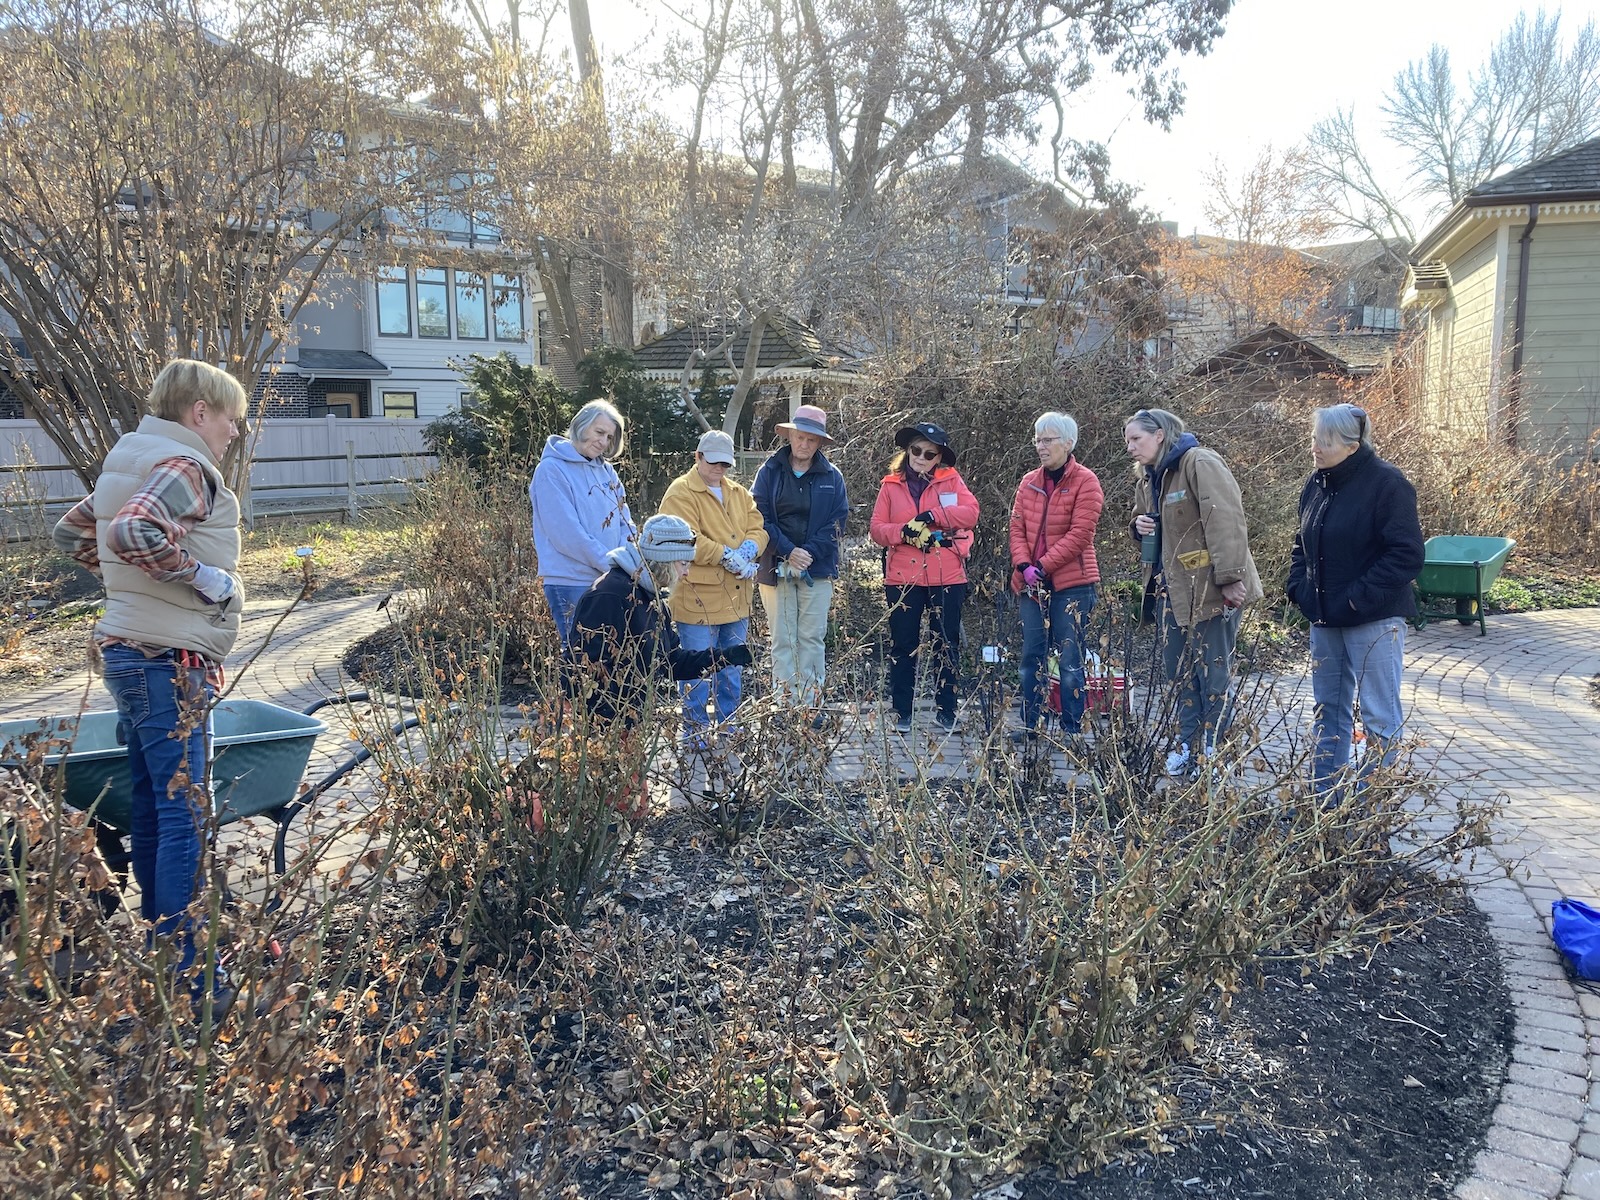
column 1505, row 290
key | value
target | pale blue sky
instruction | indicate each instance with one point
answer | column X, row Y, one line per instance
column 1281, row 66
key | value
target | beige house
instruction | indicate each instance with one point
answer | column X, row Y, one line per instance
column 1506, row 293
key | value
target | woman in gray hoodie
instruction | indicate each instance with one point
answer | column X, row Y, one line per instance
column 579, row 511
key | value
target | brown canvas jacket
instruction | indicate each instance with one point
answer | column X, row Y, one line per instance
column 1204, row 538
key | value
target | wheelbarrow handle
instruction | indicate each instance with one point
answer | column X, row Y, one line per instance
column 341, row 698
column 287, row 814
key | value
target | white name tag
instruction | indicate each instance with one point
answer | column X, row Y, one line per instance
column 947, row 499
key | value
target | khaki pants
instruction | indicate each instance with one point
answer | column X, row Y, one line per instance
column 797, row 625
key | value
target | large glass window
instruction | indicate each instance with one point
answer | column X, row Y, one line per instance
column 433, row 303
column 472, row 307
column 508, row 319
column 399, row 404
column 394, row 302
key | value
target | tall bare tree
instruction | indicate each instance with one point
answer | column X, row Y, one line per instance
column 171, row 189
column 1535, row 94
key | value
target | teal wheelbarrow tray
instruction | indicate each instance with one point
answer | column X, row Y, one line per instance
column 1456, row 572
column 259, row 755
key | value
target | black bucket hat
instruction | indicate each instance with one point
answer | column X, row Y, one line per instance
column 928, row 432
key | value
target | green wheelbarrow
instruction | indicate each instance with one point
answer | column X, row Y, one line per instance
column 1456, row 572
column 259, row 753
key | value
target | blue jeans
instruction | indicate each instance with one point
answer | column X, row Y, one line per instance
column 1198, row 662
column 163, row 714
column 1069, row 613
column 563, row 600
column 729, row 680
column 1365, row 661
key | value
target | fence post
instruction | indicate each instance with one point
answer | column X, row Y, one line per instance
column 350, row 479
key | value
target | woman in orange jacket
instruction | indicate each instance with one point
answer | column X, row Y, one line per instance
column 924, row 519
column 1053, row 521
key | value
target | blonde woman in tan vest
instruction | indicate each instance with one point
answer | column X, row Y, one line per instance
column 162, row 531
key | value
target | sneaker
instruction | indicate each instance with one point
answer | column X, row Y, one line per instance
column 946, row 721
column 1023, row 735
column 1178, row 761
column 902, row 724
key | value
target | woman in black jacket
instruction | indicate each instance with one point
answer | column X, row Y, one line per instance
column 1356, row 554
column 622, row 630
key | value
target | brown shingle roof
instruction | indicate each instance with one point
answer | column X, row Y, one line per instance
column 1272, row 347
column 786, row 343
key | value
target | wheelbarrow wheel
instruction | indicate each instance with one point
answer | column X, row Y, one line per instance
column 1466, row 611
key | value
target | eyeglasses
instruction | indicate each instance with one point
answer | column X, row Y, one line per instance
column 930, row 452
column 1049, row 441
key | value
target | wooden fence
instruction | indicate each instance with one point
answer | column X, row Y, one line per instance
column 313, row 465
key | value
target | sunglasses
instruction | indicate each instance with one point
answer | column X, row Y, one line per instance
column 930, row 452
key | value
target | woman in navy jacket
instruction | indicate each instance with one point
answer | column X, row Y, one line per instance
column 1358, row 549
column 802, row 502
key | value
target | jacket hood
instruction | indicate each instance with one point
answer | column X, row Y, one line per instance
column 560, row 449
column 627, row 559
column 1185, row 444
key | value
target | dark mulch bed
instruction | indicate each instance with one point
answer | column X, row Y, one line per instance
column 1371, row 1079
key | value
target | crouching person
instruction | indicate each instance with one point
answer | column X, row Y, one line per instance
column 623, row 637
column 162, row 531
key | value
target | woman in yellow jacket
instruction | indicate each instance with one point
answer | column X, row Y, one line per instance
column 712, row 603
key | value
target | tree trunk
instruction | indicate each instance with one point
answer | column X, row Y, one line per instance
column 615, row 254
column 747, row 373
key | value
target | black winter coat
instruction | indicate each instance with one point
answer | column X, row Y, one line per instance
column 622, row 638
column 1359, row 546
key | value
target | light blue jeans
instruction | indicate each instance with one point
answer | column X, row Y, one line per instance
column 563, row 600
column 1365, row 661
column 729, row 680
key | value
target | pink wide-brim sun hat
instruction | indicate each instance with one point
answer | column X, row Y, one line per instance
column 808, row 418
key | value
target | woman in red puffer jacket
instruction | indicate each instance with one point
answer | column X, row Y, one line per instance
column 1053, row 521
column 924, row 520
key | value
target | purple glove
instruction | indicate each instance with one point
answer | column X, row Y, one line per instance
column 1032, row 576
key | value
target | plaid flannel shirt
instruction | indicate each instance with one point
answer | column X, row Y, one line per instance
column 147, row 533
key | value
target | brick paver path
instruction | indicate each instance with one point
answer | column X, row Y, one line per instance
column 1512, row 711
column 1508, row 713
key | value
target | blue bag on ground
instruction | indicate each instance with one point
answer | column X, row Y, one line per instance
column 1576, row 929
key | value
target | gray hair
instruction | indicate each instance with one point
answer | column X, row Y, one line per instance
column 1056, row 424
column 592, row 412
column 1158, row 420
column 1346, row 424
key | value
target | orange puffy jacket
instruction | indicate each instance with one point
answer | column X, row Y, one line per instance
column 1068, row 518
column 954, row 509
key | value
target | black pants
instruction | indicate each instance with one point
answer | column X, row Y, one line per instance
column 906, row 608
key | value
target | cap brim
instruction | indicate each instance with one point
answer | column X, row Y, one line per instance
column 791, row 427
column 718, row 459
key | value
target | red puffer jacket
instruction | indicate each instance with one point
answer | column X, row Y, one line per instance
column 1068, row 517
column 954, row 509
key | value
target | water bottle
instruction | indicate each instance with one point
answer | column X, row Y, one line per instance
column 1150, row 543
